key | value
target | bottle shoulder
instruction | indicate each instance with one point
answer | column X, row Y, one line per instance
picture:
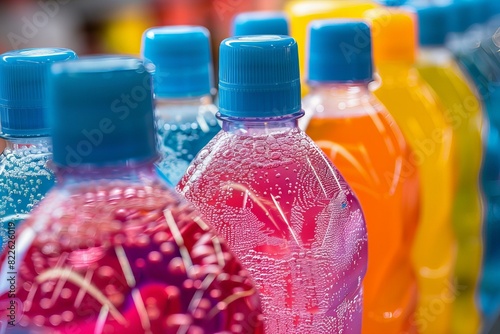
column 291, row 153
column 411, row 99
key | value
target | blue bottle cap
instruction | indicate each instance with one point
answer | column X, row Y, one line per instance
column 260, row 23
column 182, row 57
column 433, row 24
column 23, row 77
column 492, row 8
column 340, row 51
column 259, row 76
column 392, row 3
column 465, row 13
column 100, row 110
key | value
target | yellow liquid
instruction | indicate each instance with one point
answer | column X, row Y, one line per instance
column 420, row 117
column 464, row 114
column 301, row 13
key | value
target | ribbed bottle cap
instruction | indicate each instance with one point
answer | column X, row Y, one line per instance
column 23, row 77
column 340, row 51
column 260, row 23
column 259, row 76
column 181, row 55
column 433, row 24
column 394, row 34
column 100, row 110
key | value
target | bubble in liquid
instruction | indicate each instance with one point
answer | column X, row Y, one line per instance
column 261, row 232
column 147, row 272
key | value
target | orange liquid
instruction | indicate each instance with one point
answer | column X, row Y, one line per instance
column 371, row 154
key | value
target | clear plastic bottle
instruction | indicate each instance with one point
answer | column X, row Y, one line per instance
column 420, row 115
column 113, row 249
column 185, row 114
column 438, row 68
column 282, row 206
column 260, row 23
column 24, row 174
column 361, row 138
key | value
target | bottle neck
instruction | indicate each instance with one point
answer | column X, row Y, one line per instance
column 342, row 92
column 397, row 73
column 394, row 67
column 188, row 101
column 435, row 54
column 176, row 109
column 13, row 144
column 132, row 172
column 260, row 126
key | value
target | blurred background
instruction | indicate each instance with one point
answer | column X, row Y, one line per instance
column 112, row 26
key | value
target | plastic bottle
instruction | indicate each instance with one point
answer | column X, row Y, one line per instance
column 438, row 68
column 361, row 138
column 478, row 56
column 112, row 249
column 302, row 12
column 490, row 280
column 260, row 23
column 420, row 116
column 127, row 19
column 279, row 202
column 185, row 114
column 24, row 174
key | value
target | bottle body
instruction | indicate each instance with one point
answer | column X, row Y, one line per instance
column 481, row 62
column 25, row 178
column 288, row 214
column 184, row 128
column 413, row 106
column 364, row 143
column 112, row 251
column 464, row 113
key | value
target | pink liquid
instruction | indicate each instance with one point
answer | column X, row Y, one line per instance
column 291, row 219
column 116, row 258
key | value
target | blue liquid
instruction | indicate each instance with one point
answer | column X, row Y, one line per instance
column 485, row 71
column 24, row 181
column 181, row 138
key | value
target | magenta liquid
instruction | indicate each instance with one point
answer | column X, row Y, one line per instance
column 291, row 219
column 118, row 257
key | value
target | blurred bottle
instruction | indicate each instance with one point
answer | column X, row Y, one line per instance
column 122, row 33
column 24, row 174
column 302, row 12
column 184, row 12
column 185, row 114
column 478, row 55
column 438, row 68
column 112, row 249
column 360, row 137
column 260, row 23
column 490, row 282
column 421, row 118
column 282, row 206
